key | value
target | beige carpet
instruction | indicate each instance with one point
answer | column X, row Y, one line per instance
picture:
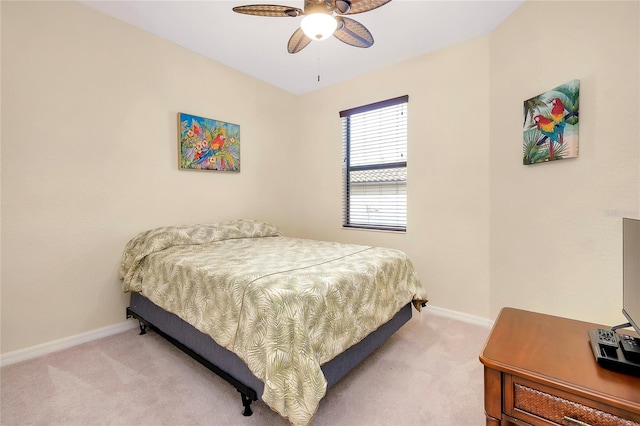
column 428, row 373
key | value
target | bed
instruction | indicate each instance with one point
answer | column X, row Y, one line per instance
column 280, row 318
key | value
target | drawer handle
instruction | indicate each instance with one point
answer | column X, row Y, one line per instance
column 575, row 422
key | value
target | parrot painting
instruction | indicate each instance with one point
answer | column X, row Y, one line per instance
column 552, row 118
column 207, row 144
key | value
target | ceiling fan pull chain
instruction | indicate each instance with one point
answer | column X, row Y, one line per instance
column 318, row 69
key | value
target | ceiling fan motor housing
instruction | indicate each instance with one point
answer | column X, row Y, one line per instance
column 317, row 6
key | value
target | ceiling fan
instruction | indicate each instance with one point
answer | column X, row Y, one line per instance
column 319, row 21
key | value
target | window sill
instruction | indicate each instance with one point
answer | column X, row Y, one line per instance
column 374, row 229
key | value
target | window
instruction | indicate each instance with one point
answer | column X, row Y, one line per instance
column 374, row 141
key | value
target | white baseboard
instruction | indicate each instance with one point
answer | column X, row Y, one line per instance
column 460, row 316
column 57, row 345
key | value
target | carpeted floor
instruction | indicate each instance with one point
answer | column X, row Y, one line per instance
column 428, row 373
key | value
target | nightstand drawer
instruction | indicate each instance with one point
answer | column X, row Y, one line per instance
column 541, row 405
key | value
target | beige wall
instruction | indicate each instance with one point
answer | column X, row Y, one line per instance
column 556, row 228
column 89, row 159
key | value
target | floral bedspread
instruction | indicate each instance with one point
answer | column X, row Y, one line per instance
column 284, row 305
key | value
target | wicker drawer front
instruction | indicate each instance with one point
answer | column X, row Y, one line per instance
column 561, row 411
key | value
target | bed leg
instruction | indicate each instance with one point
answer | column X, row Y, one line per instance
column 246, row 402
column 143, row 325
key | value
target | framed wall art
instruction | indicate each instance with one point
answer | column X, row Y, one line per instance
column 551, row 123
column 206, row 144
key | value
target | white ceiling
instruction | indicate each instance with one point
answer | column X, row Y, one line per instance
column 257, row 46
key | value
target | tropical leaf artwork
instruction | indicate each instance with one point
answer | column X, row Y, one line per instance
column 206, row 144
column 551, row 124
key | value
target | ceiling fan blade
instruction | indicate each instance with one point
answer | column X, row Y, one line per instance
column 346, row 7
column 353, row 33
column 269, row 10
column 298, row 41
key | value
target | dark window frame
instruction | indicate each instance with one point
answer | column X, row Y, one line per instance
column 347, row 168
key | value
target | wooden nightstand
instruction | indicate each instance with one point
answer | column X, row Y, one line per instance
column 540, row 370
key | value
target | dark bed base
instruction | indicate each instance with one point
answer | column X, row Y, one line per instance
column 229, row 366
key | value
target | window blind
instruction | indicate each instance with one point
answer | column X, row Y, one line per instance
column 374, row 141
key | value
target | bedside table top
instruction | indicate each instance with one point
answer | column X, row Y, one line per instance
column 556, row 351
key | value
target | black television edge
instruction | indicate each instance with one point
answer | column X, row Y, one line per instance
column 631, row 272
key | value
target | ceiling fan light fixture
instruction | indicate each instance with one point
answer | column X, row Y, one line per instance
column 318, row 26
